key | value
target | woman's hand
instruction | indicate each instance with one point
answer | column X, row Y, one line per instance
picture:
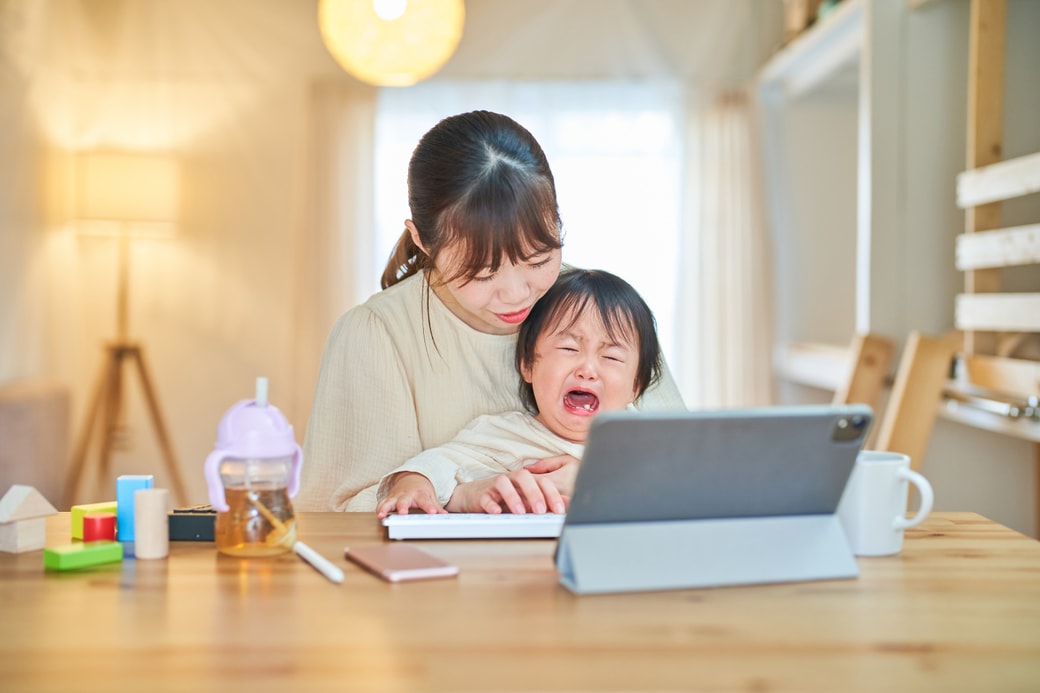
column 517, row 492
column 562, row 470
column 409, row 490
column 543, row 486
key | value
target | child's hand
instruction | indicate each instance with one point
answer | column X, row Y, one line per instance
column 409, row 490
column 517, row 491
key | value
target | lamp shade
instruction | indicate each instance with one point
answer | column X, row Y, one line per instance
column 391, row 43
column 126, row 188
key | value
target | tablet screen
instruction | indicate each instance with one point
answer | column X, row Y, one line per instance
column 657, row 466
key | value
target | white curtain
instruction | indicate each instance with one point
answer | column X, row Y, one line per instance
column 727, row 332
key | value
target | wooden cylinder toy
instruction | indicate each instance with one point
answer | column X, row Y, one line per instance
column 151, row 523
column 99, row 527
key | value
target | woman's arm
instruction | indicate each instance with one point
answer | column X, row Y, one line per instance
column 363, row 422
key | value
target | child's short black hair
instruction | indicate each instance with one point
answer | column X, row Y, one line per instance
column 621, row 308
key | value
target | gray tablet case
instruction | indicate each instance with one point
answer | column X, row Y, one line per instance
column 670, row 500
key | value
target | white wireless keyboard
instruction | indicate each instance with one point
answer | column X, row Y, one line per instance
column 474, row 526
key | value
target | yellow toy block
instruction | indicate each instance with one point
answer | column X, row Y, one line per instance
column 78, row 511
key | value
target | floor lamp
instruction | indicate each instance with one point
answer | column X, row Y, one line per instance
column 122, row 195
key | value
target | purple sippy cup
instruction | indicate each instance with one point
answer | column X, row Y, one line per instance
column 252, row 474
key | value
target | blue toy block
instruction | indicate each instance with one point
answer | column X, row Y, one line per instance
column 125, row 487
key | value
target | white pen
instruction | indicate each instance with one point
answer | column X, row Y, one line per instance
column 320, row 563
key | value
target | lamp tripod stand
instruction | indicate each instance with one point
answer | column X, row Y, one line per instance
column 106, row 403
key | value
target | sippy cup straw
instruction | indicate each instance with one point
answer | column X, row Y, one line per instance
column 261, row 391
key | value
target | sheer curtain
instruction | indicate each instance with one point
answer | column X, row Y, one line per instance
column 726, row 336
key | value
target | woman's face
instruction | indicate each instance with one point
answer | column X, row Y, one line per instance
column 496, row 303
column 579, row 371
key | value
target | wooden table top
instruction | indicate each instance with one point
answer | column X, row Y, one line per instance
column 959, row 609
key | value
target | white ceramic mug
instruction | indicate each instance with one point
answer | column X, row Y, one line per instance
column 873, row 506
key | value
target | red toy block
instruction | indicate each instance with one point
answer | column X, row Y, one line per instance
column 99, row 527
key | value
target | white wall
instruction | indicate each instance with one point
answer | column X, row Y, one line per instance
column 22, row 289
column 812, row 164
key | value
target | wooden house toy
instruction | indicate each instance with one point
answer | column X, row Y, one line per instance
column 23, row 512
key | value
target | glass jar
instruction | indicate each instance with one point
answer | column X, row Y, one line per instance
column 259, row 520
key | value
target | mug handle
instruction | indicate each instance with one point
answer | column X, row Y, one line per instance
column 927, row 499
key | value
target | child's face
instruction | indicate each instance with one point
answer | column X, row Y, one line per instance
column 579, row 371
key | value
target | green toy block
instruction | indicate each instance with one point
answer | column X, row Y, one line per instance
column 78, row 511
column 82, row 555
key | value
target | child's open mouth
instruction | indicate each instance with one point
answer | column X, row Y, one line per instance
column 581, row 401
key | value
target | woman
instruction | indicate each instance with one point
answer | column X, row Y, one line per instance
column 409, row 368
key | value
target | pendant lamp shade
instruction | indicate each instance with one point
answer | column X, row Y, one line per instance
column 391, row 43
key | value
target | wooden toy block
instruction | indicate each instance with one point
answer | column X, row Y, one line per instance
column 99, row 527
column 23, row 527
column 151, row 525
column 24, row 535
column 125, row 487
column 78, row 511
column 82, row 555
column 23, row 502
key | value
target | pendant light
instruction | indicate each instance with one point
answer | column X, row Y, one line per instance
column 391, row 43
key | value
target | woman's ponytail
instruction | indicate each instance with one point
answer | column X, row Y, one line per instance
column 406, row 259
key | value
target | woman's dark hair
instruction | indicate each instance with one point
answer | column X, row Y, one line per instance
column 623, row 311
column 478, row 181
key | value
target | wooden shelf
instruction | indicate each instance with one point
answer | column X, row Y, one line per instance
column 825, row 49
column 971, row 415
column 1015, row 377
column 996, row 394
column 822, row 366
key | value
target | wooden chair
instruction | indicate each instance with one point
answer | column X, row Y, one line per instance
column 905, row 422
column 870, row 358
column 909, row 417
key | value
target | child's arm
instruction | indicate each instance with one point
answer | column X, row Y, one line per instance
column 407, row 490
